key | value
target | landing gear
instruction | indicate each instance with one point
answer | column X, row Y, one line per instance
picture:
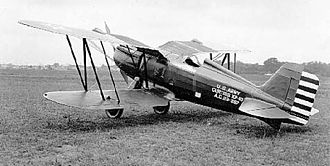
column 161, row 110
column 114, row 113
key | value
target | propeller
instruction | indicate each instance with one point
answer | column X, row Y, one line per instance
column 123, row 74
column 107, row 28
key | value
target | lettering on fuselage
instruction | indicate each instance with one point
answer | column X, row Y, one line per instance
column 227, row 94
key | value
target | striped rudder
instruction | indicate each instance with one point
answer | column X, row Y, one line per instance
column 302, row 106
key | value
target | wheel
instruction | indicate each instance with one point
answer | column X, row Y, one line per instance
column 115, row 113
column 161, row 110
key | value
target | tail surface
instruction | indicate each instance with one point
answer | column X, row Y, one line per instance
column 296, row 88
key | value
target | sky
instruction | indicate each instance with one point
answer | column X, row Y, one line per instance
column 292, row 30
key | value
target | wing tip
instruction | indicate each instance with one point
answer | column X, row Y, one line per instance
column 28, row 23
column 24, row 22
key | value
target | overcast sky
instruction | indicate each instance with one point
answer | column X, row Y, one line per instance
column 291, row 30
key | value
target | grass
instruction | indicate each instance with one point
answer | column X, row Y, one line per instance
column 35, row 131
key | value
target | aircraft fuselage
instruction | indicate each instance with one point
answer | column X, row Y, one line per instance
column 209, row 85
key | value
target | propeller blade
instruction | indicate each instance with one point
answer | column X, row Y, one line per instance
column 107, row 28
column 98, row 30
column 134, row 82
column 124, row 76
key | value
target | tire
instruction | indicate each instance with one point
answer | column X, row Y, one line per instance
column 162, row 110
column 115, row 113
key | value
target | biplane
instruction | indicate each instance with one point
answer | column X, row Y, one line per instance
column 167, row 73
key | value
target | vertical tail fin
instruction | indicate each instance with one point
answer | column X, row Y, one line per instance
column 296, row 88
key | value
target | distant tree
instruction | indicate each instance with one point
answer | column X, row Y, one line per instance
column 246, row 68
column 103, row 67
column 49, row 67
column 56, row 65
column 318, row 68
column 271, row 65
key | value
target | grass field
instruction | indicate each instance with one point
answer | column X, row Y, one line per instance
column 35, row 131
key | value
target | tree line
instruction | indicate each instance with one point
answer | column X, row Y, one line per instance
column 271, row 65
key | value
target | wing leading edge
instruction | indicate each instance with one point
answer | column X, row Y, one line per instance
column 81, row 33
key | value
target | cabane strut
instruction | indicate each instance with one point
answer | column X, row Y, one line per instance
column 139, row 66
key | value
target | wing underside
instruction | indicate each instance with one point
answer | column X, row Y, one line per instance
column 92, row 99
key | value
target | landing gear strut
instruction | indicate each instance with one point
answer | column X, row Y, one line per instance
column 114, row 113
column 161, row 110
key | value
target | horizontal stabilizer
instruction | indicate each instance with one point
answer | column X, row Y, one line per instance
column 93, row 100
column 262, row 109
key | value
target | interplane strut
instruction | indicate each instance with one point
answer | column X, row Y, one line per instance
column 84, row 80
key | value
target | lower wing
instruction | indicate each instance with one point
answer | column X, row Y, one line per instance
column 92, row 99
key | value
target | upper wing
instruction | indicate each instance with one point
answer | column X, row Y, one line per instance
column 196, row 47
column 114, row 39
column 80, row 33
column 196, row 51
